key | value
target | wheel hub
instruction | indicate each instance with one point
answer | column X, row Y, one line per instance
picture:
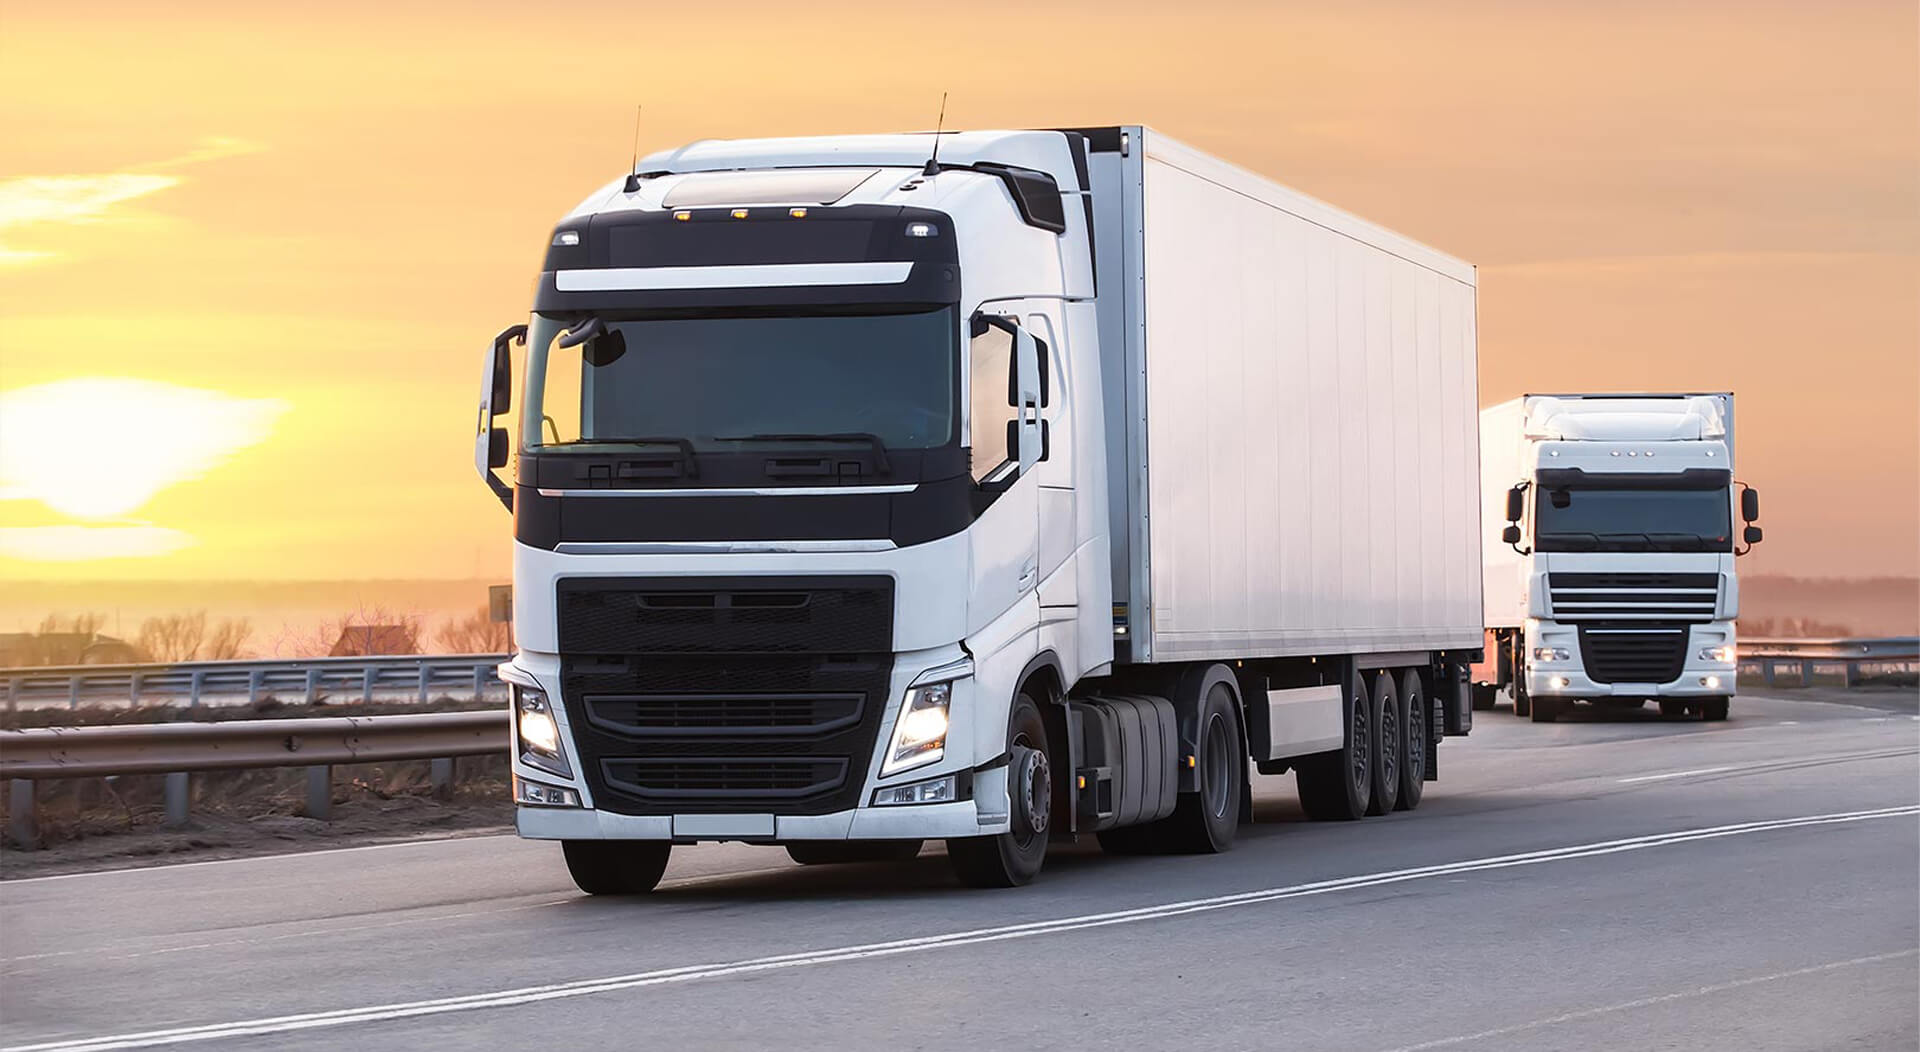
column 1032, row 784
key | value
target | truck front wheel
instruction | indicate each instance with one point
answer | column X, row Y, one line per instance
column 616, row 867
column 1014, row 857
column 1714, row 710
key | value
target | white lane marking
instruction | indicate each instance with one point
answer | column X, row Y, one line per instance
column 1672, row 774
column 1789, row 723
column 418, row 842
column 1646, row 1002
column 610, row 984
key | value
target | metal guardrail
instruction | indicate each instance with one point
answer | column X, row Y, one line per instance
column 1854, row 657
column 176, row 749
column 206, row 682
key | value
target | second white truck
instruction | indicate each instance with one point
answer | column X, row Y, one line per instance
column 1032, row 492
column 1612, row 579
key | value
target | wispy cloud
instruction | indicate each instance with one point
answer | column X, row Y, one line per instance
column 83, row 543
column 31, row 201
column 98, row 448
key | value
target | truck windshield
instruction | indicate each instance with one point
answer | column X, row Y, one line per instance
column 716, row 382
column 1616, row 520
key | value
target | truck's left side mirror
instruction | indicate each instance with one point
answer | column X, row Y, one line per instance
column 1750, row 504
column 491, row 444
column 1516, row 504
column 1752, row 536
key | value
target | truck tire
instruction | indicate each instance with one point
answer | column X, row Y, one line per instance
column 1013, row 858
column 1545, row 709
column 1714, row 710
column 1672, row 710
column 1388, row 744
column 1337, row 786
column 829, row 852
column 1204, row 822
column 1522, row 704
column 1483, row 696
column 1413, row 737
column 616, row 867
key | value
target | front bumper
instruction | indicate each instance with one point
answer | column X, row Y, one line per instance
column 1698, row 678
column 911, row 822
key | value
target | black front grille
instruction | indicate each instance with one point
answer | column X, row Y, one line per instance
column 667, row 715
column 707, row 778
column 1636, row 654
column 732, row 615
column 725, row 695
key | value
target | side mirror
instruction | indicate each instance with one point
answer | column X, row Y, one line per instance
column 1510, row 535
column 491, row 445
column 1750, row 504
column 1752, row 536
column 1516, row 504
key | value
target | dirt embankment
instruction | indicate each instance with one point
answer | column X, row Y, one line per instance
column 110, row 823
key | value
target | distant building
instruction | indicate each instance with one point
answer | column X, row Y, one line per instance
column 372, row 640
column 30, row 649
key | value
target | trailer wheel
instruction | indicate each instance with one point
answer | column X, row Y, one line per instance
column 829, row 852
column 1337, row 786
column 1413, row 737
column 1388, row 751
column 1204, row 822
column 1013, row 858
column 616, row 867
column 1713, row 710
column 1483, row 696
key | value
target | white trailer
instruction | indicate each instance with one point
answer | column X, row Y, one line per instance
column 1031, row 493
column 1612, row 581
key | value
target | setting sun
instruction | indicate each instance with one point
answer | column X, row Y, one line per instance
column 98, row 448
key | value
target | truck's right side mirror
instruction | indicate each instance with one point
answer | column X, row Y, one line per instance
column 491, row 444
column 1750, row 505
column 1510, row 535
column 1516, row 505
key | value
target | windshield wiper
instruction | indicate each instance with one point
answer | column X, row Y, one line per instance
column 684, row 446
column 1652, row 545
column 867, row 438
column 1589, row 540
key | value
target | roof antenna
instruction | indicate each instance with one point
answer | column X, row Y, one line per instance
column 933, row 163
column 633, row 170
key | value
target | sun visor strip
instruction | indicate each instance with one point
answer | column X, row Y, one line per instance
column 1689, row 478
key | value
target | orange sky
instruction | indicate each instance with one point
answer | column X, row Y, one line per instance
column 309, row 219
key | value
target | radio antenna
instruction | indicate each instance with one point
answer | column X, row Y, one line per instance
column 933, row 163
column 633, row 169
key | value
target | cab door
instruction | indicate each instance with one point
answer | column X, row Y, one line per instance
column 1005, row 441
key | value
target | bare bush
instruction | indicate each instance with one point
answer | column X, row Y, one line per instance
column 187, row 637
column 1793, row 628
column 477, row 633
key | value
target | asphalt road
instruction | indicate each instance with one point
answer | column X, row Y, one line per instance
column 1599, row 883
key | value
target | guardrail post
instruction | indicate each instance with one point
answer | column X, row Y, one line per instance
column 253, row 686
column 133, row 688
column 195, row 685
column 320, row 792
column 443, row 772
column 426, row 681
column 1806, row 672
column 366, row 684
column 178, row 795
column 479, row 682
column 13, row 695
column 1766, row 671
column 313, row 686
column 73, row 692
column 23, row 814
column 1852, row 668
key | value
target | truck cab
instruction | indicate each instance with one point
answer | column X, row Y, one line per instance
column 1612, row 579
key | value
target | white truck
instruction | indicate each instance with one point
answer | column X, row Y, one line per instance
column 1030, row 492
column 1612, row 581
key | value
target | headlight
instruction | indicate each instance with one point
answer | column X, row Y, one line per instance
column 1551, row 654
column 920, row 734
column 539, row 734
column 1722, row 654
